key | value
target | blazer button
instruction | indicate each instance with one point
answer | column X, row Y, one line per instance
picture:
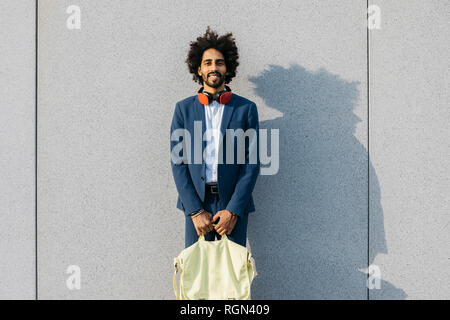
column 203, row 178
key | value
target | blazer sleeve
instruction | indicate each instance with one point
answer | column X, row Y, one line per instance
column 183, row 181
column 248, row 172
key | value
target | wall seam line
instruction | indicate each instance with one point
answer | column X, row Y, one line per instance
column 35, row 150
column 368, row 146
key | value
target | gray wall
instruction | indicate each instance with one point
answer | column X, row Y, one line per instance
column 17, row 149
column 362, row 178
column 409, row 148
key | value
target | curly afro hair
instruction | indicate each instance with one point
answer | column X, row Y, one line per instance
column 225, row 44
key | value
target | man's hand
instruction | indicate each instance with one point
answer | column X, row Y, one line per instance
column 203, row 223
column 226, row 223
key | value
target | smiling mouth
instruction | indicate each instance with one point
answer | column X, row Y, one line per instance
column 214, row 77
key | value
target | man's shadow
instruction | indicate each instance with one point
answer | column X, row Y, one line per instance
column 309, row 233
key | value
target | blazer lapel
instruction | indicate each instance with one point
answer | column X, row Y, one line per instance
column 226, row 117
column 199, row 115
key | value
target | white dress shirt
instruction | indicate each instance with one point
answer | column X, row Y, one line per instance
column 213, row 117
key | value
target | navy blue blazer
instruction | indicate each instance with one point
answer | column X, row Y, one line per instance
column 236, row 180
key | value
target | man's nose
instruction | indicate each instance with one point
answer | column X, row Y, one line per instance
column 213, row 67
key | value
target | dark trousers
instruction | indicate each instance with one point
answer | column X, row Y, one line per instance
column 211, row 204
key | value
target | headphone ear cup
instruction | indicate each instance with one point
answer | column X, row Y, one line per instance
column 203, row 98
column 225, row 97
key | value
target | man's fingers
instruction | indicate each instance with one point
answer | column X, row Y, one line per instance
column 208, row 222
column 208, row 225
column 207, row 228
column 215, row 217
column 220, row 230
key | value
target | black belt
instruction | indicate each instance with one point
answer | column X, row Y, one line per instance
column 212, row 188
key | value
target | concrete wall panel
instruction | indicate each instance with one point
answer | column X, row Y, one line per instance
column 107, row 93
column 409, row 149
column 17, row 149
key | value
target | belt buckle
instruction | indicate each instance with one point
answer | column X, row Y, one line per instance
column 214, row 189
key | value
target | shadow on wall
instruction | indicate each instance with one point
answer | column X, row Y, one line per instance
column 309, row 232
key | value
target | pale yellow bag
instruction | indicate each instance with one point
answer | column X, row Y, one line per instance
column 214, row 270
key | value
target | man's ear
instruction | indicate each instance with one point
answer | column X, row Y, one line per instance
column 198, row 71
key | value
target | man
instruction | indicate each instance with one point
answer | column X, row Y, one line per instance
column 215, row 191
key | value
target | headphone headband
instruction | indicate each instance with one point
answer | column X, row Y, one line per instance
column 205, row 98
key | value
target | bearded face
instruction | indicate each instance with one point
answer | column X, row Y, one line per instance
column 213, row 69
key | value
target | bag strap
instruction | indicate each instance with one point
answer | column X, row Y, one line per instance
column 174, row 282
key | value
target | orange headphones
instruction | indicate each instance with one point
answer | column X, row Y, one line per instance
column 223, row 97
